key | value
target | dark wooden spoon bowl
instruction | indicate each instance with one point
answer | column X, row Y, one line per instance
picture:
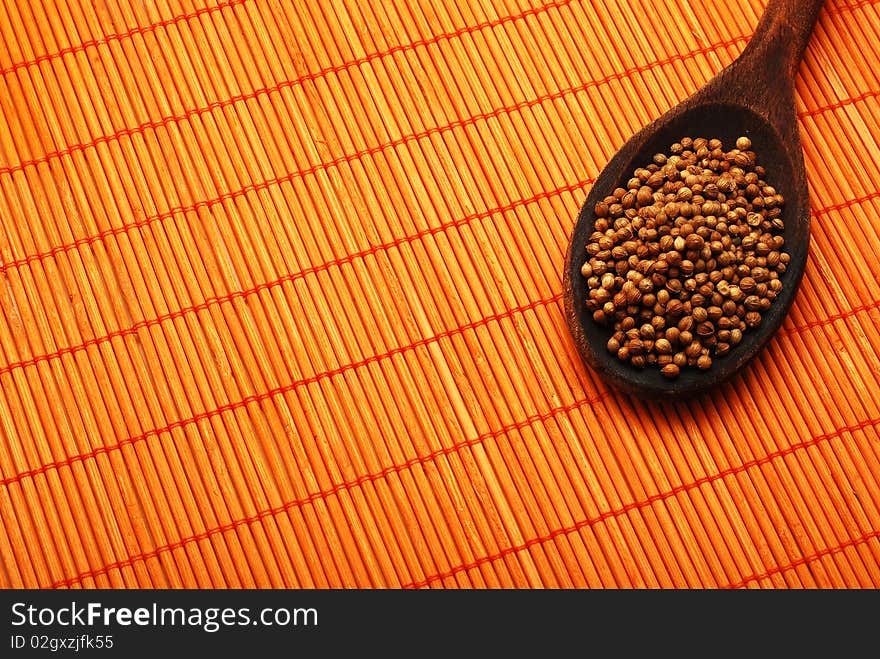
column 754, row 97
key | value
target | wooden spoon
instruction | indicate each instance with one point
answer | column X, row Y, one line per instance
column 753, row 97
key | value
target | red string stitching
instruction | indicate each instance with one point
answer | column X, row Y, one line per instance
column 400, row 48
column 648, row 501
column 356, row 482
column 119, row 36
column 348, row 158
column 354, row 365
column 813, row 324
column 852, row 542
column 270, row 393
column 839, row 104
column 215, row 105
column 235, row 295
column 336, row 68
column 380, row 54
column 451, row 449
column 842, row 7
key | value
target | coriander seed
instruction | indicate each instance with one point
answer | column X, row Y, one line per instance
column 687, row 257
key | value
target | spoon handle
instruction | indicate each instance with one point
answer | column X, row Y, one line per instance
column 762, row 77
column 780, row 38
column 788, row 23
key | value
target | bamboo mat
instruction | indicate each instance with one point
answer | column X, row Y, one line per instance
column 281, row 304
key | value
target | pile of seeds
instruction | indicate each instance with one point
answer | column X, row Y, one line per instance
column 686, row 258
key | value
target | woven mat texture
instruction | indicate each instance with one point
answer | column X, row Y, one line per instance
column 281, row 304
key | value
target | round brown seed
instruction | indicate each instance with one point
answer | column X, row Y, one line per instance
column 691, row 246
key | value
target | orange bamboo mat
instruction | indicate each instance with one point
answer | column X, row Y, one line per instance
column 281, row 303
